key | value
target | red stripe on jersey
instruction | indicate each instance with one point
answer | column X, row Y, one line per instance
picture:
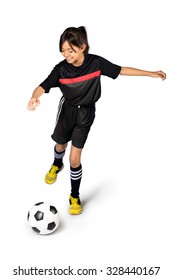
column 80, row 79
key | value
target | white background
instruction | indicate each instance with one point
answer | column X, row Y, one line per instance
column 127, row 162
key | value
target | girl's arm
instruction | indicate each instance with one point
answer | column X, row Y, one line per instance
column 137, row 72
column 34, row 101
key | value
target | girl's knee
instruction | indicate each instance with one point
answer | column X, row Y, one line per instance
column 74, row 161
column 60, row 147
column 75, row 156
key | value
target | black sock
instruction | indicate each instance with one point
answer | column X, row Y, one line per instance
column 58, row 158
column 75, row 176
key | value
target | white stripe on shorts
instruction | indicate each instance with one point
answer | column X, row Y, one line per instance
column 59, row 108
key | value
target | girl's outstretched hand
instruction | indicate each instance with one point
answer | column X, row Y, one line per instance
column 33, row 104
column 159, row 74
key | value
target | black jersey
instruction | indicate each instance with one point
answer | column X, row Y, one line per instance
column 81, row 85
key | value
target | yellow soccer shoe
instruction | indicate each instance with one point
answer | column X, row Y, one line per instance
column 75, row 206
column 51, row 175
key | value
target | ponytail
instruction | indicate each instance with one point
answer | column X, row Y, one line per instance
column 84, row 32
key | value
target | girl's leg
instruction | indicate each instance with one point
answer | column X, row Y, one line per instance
column 75, row 176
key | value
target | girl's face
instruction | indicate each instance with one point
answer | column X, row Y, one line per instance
column 73, row 55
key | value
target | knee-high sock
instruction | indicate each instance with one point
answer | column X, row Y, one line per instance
column 58, row 158
column 75, row 176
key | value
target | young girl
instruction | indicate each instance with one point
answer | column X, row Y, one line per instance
column 78, row 77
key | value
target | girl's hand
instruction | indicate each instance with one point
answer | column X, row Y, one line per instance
column 33, row 104
column 159, row 74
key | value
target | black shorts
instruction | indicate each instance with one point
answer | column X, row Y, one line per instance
column 73, row 123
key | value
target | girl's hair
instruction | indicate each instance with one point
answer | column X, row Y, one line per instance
column 75, row 37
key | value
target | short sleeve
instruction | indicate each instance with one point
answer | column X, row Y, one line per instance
column 108, row 68
column 51, row 81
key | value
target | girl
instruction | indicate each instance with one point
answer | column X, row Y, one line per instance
column 78, row 77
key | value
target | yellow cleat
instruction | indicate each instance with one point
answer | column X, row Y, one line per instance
column 51, row 175
column 75, row 206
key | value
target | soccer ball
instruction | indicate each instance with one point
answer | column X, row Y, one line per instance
column 43, row 218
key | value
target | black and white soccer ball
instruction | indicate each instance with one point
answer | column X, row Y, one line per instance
column 43, row 218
